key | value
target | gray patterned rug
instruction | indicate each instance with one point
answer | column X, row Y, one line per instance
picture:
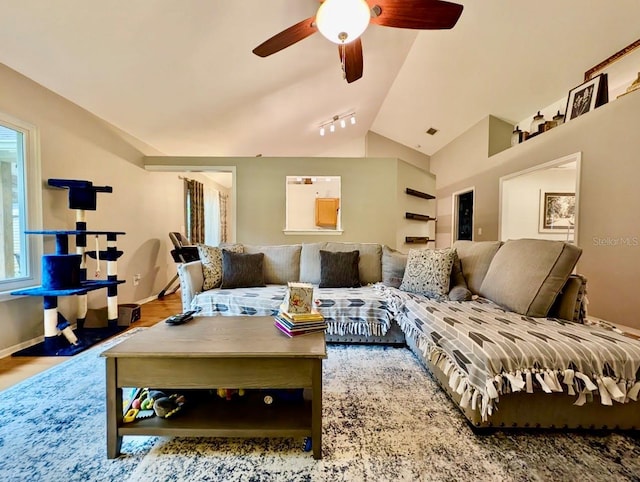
column 384, row 419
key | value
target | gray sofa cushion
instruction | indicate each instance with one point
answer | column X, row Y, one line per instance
column 476, row 257
column 526, row 275
column 370, row 264
column 310, row 262
column 281, row 263
column 393, row 265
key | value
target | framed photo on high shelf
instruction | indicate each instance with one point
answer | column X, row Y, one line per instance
column 587, row 96
column 557, row 211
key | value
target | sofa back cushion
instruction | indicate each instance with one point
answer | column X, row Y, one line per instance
column 393, row 265
column 281, row 262
column 369, row 266
column 475, row 257
column 526, row 275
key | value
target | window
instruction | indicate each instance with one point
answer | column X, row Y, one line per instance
column 20, row 192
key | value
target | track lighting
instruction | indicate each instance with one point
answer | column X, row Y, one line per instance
column 341, row 119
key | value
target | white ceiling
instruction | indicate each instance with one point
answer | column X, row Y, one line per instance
column 180, row 75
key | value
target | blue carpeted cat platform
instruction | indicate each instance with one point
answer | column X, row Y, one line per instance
column 65, row 274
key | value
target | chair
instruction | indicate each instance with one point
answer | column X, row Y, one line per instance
column 183, row 252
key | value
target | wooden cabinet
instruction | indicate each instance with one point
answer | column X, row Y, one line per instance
column 327, row 212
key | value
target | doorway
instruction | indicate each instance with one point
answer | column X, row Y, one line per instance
column 463, row 203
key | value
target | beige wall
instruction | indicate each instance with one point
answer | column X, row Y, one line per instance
column 409, row 176
column 370, row 211
column 380, row 146
column 609, row 223
column 74, row 144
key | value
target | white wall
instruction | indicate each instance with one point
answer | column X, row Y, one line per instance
column 521, row 202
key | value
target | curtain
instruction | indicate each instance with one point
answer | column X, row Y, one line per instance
column 224, row 229
column 195, row 210
column 212, row 215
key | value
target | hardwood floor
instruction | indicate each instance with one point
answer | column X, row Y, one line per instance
column 16, row 369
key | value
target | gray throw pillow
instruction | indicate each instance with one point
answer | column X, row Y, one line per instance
column 428, row 272
column 211, row 259
column 458, row 290
column 393, row 266
column 339, row 270
column 242, row 270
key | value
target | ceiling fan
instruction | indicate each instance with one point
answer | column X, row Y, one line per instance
column 343, row 21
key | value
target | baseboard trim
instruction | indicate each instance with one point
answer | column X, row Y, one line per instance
column 21, row 346
column 39, row 339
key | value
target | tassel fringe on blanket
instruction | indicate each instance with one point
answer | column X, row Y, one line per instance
column 485, row 398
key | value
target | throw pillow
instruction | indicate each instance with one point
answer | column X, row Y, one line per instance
column 211, row 258
column 428, row 272
column 241, row 270
column 458, row 290
column 393, row 266
column 339, row 270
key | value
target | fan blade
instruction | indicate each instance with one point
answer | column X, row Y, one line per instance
column 286, row 38
column 352, row 60
column 417, row 14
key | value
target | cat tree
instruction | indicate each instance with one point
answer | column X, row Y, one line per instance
column 65, row 274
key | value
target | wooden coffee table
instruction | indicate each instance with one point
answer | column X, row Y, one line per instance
column 219, row 352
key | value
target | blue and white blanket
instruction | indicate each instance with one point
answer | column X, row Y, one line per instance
column 355, row 311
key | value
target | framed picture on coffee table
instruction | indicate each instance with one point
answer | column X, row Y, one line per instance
column 587, row 96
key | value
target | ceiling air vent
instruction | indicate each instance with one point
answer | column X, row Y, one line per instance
column 431, row 131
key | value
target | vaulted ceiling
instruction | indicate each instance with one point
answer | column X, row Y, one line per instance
column 180, row 75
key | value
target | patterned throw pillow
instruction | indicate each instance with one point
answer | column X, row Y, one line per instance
column 428, row 272
column 211, row 258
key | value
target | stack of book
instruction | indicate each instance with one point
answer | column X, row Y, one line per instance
column 296, row 324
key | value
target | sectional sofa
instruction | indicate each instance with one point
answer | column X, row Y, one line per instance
column 501, row 326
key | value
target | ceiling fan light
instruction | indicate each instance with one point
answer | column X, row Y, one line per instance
column 343, row 21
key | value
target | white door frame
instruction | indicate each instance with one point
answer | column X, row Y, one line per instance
column 454, row 213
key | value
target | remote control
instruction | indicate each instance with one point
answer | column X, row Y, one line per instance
column 180, row 318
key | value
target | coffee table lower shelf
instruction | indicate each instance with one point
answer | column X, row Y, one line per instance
column 229, row 418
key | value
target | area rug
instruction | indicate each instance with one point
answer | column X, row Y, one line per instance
column 384, row 419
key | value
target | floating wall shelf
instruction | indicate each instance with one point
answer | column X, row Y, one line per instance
column 419, row 217
column 418, row 240
column 423, row 195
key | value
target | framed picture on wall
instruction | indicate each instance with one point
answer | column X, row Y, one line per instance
column 587, row 96
column 557, row 211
